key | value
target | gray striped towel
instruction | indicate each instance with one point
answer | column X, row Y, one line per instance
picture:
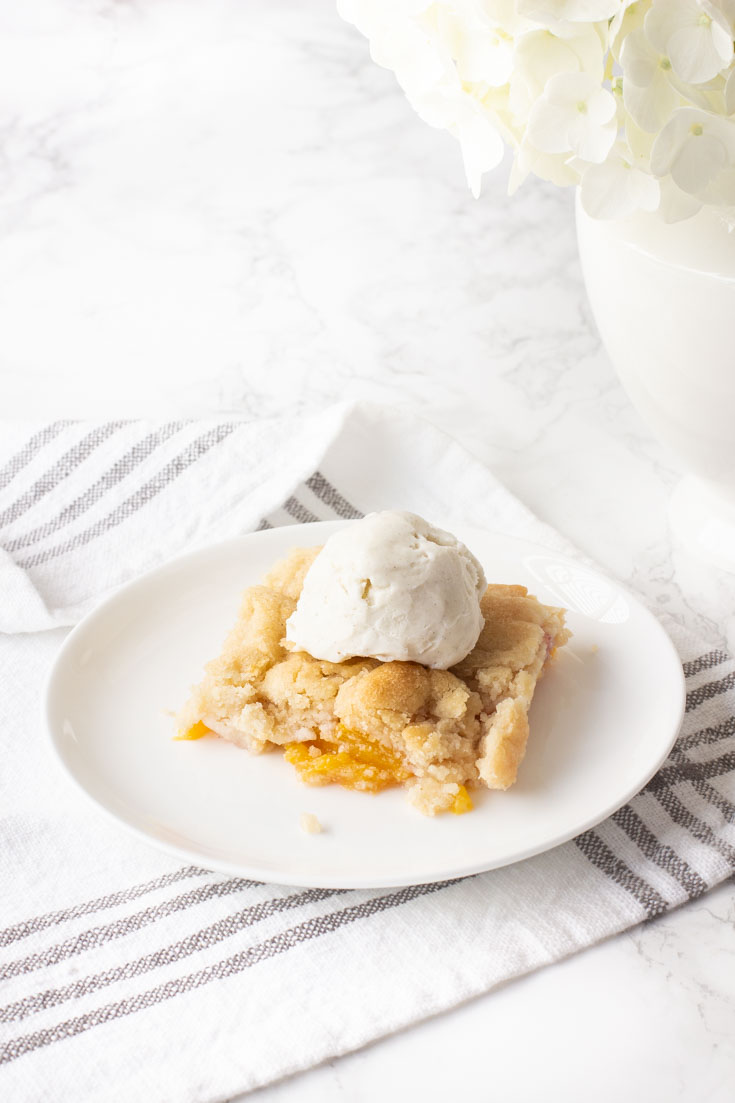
column 127, row 976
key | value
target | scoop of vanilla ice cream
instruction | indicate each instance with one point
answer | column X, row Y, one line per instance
column 390, row 586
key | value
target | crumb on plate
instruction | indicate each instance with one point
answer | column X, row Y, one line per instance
column 310, row 824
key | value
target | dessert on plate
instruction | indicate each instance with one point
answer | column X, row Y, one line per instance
column 382, row 659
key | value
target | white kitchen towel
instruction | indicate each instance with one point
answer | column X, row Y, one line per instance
column 125, row 975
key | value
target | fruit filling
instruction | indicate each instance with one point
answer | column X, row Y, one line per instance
column 347, row 759
column 196, row 731
column 351, row 760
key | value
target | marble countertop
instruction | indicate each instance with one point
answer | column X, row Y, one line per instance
column 227, row 207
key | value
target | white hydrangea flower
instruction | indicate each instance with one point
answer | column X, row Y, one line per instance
column 540, row 55
column 616, row 188
column 640, row 143
column 574, row 115
column 699, row 43
column 399, row 42
column 378, row 19
column 648, row 93
column 481, row 49
column 560, row 80
column 572, row 11
column 676, row 205
column 628, row 19
column 729, row 94
column 403, row 38
column 558, row 168
column 698, row 151
column 724, row 9
column 481, row 143
column 482, row 148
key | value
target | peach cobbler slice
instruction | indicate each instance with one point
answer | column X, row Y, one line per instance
column 367, row 724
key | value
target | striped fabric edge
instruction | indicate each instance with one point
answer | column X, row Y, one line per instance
column 201, row 939
column 29, row 450
column 601, row 856
column 334, row 502
column 281, row 943
column 118, row 471
column 661, row 786
column 661, row 854
column 331, row 497
column 706, row 735
column 298, row 511
column 699, row 774
column 683, row 769
column 150, row 489
column 715, row 798
column 696, row 827
column 705, row 662
column 26, row 927
column 62, row 469
column 96, row 936
column 706, row 692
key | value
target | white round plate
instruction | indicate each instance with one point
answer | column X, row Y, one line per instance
column 603, row 720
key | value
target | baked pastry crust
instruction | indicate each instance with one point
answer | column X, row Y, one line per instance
column 367, row 723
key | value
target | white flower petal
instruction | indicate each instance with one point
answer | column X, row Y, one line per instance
column 615, row 189
column 646, row 190
column 574, row 115
column 669, row 141
column 559, row 169
column 639, row 60
column 675, row 204
column 569, row 89
column 697, row 52
column 721, row 190
column 601, row 107
column 730, row 94
column 596, row 142
column 723, row 11
column 697, row 163
column 539, row 55
column 650, row 107
column 723, row 30
column 480, row 53
column 648, row 92
column 548, row 127
column 698, row 43
column 485, row 58
column 628, row 19
column 667, row 16
column 639, row 143
column 695, row 147
column 482, row 149
column 409, row 52
column 575, row 11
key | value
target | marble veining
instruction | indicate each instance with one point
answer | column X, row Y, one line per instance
column 227, row 207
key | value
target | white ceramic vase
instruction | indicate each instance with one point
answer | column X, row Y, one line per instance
column 663, row 298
